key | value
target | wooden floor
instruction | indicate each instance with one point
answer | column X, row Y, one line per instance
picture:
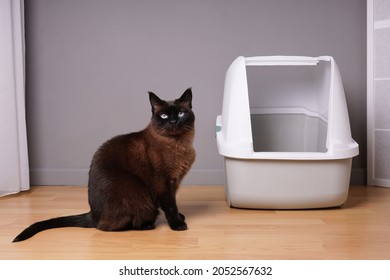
column 359, row 230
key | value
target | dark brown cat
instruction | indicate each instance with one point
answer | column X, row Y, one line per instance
column 131, row 176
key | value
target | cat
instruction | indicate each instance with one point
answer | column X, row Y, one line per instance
column 134, row 175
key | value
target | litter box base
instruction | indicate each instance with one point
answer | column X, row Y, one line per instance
column 286, row 184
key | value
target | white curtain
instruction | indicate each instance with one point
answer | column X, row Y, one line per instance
column 14, row 171
column 378, row 92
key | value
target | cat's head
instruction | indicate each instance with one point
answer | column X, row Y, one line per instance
column 172, row 118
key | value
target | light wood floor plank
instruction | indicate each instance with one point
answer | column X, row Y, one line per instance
column 359, row 230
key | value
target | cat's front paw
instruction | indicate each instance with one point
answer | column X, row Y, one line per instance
column 178, row 225
column 182, row 216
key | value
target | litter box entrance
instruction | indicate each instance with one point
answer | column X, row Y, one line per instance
column 288, row 133
column 289, row 107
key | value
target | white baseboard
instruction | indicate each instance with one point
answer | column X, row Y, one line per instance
column 205, row 177
column 60, row 177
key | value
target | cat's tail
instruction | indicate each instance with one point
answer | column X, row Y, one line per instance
column 82, row 220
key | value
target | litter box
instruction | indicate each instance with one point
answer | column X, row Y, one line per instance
column 284, row 133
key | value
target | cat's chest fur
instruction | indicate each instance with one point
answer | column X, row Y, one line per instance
column 171, row 157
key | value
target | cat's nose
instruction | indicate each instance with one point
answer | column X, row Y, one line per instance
column 173, row 121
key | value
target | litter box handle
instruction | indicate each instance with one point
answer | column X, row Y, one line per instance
column 281, row 60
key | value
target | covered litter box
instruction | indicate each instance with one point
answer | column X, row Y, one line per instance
column 284, row 133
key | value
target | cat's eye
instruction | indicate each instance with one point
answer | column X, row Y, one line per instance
column 164, row 116
column 181, row 114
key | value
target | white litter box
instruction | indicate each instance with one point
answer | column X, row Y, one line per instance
column 284, row 133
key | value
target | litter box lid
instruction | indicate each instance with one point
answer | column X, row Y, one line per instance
column 233, row 126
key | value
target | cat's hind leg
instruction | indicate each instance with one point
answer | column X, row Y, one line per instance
column 145, row 226
column 146, row 221
column 124, row 226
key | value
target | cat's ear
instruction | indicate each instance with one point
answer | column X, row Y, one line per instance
column 155, row 101
column 186, row 98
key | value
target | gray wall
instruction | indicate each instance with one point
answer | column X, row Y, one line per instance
column 91, row 62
